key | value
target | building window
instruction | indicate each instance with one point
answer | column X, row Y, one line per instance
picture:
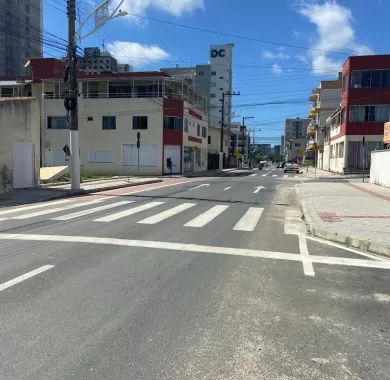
column 297, row 144
column 57, row 122
column 204, row 132
column 220, row 77
column 140, row 122
column 198, row 130
column 221, row 89
column 371, row 79
column 173, row 123
column 109, row 122
column 341, row 150
column 366, row 113
column 89, row 118
column 212, row 95
column 200, row 73
column 186, row 125
column 209, row 140
column 213, row 73
column 100, row 156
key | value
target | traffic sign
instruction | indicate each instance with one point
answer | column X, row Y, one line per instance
column 138, row 140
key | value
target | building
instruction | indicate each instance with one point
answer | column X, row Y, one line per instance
column 364, row 108
column 325, row 100
column 239, row 142
column 113, row 108
column 264, row 149
column 20, row 143
column 276, row 149
column 95, row 61
column 124, row 68
column 295, row 138
column 282, row 148
column 20, row 24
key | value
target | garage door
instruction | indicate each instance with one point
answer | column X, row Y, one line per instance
column 23, row 165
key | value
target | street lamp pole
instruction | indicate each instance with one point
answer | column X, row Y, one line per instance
column 222, row 126
column 71, row 78
column 243, row 125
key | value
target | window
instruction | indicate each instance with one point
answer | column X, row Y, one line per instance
column 140, row 122
column 220, row 77
column 57, row 122
column 173, row 122
column 204, row 132
column 221, row 89
column 297, row 144
column 370, row 78
column 89, row 118
column 341, row 150
column 100, row 156
column 376, row 114
column 209, row 140
column 200, row 73
column 147, row 155
column 109, row 122
column 7, row 92
column 198, row 130
column 212, row 95
column 186, row 125
column 213, row 73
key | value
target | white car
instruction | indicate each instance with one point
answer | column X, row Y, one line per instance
column 292, row 167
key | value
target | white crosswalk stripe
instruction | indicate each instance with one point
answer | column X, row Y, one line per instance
column 263, row 175
column 92, row 210
column 58, row 209
column 205, row 218
column 125, row 213
column 253, row 175
column 274, row 175
column 250, row 219
column 167, row 214
column 34, row 206
column 285, row 176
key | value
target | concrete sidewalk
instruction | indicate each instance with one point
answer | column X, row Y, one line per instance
column 48, row 192
column 351, row 213
column 325, row 175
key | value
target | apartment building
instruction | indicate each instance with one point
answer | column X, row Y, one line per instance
column 239, row 142
column 295, row 139
column 356, row 128
column 113, row 108
column 325, row 100
column 20, row 28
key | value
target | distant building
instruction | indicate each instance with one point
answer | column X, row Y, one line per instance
column 95, row 61
column 124, row 68
column 276, row 149
column 265, row 149
column 282, row 145
column 20, row 23
column 295, row 138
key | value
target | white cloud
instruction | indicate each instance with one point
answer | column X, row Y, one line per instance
column 335, row 33
column 279, row 55
column 136, row 54
column 276, row 69
column 174, row 7
column 302, row 58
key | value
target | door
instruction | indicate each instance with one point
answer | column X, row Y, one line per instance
column 23, row 165
column 172, row 159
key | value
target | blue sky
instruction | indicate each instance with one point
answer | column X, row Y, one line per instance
column 298, row 43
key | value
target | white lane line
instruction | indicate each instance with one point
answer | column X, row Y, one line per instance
column 23, row 277
column 274, row 175
column 35, row 205
column 199, row 186
column 58, row 209
column 344, row 248
column 285, row 176
column 202, row 219
column 264, row 175
column 306, row 261
column 253, row 175
column 91, row 210
column 167, row 213
column 250, row 219
column 227, row 188
column 182, row 247
column 125, row 213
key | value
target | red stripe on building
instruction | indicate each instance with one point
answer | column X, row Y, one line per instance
column 195, row 114
column 195, row 139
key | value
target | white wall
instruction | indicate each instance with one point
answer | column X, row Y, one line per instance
column 380, row 168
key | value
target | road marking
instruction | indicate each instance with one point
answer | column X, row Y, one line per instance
column 258, row 189
column 125, row 213
column 135, row 191
column 227, row 188
column 307, row 264
column 285, row 176
column 53, row 210
column 167, row 214
column 206, row 217
column 23, row 277
column 35, row 205
column 182, row 247
column 274, row 175
column 264, row 175
column 250, row 219
column 92, row 210
column 199, row 186
column 253, row 175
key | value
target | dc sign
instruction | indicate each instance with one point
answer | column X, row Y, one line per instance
column 218, row 53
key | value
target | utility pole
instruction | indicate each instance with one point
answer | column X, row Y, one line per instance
column 71, row 96
column 222, row 126
column 243, row 125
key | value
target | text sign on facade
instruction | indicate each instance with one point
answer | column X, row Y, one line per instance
column 218, row 53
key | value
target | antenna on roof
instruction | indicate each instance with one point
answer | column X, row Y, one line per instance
column 103, row 46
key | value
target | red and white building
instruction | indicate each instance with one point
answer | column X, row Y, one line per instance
column 364, row 108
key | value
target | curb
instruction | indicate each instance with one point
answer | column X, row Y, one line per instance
column 347, row 240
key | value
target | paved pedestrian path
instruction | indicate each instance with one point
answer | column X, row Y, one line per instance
column 353, row 213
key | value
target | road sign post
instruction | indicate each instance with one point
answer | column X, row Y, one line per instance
column 138, row 146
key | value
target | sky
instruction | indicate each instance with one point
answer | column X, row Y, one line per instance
column 283, row 48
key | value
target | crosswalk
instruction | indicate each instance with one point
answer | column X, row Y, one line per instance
column 111, row 209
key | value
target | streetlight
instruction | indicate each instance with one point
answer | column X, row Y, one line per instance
column 222, row 125
column 102, row 15
column 243, row 125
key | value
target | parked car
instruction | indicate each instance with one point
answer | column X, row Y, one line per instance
column 292, row 167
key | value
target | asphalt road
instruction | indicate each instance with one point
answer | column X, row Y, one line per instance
column 208, row 279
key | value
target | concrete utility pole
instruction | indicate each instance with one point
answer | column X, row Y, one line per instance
column 71, row 96
column 222, row 126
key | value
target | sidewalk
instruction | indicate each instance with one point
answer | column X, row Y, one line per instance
column 323, row 174
column 48, row 192
column 350, row 212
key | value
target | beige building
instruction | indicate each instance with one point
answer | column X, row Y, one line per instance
column 19, row 143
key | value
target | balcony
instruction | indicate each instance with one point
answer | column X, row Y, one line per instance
column 311, row 131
